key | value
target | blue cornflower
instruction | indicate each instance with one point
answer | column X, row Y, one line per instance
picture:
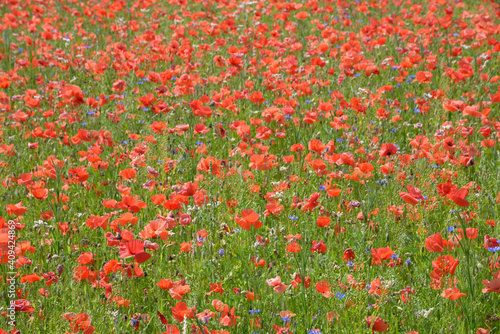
column 292, row 217
column 340, row 295
column 321, row 188
column 451, row 228
column 494, row 249
column 286, row 319
column 222, row 252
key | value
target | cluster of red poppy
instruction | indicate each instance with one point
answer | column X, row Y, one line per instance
column 155, row 154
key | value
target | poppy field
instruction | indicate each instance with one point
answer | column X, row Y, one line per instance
column 231, row 166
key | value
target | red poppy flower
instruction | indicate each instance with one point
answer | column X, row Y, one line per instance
column 293, row 247
column 324, row 288
column 388, row 149
column 248, row 218
column 452, row 293
column 318, row 247
column 135, row 248
column 279, row 287
column 181, row 311
column 435, row 243
column 377, row 324
column 381, row 254
column 16, row 209
column 348, row 255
